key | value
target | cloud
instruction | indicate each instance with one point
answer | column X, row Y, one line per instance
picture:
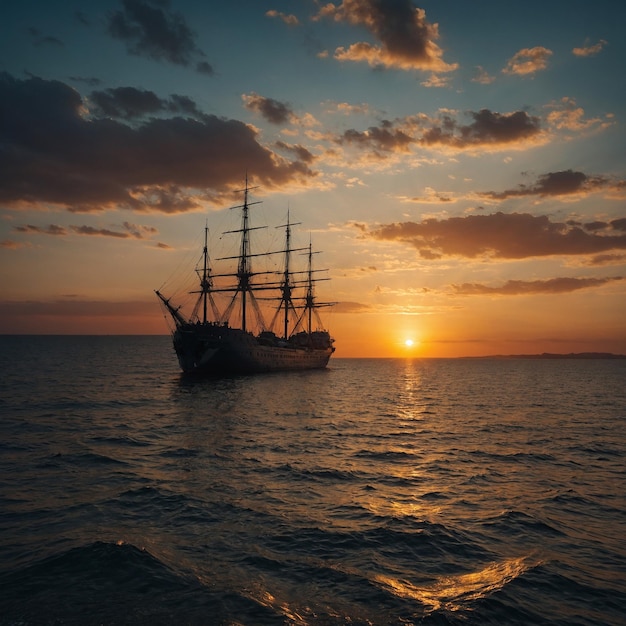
column 52, row 229
column 302, row 153
column 407, row 40
column 533, row 287
column 489, row 128
column 54, row 154
column 130, row 230
column 75, row 307
column 150, row 30
column 566, row 115
column 589, row 51
column 129, row 103
column 383, row 138
column 273, row 111
column 39, row 39
column 528, row 61
column 289, row 19
column 351, row 307
column 482, row 77
column 9, row 244
column 500, row 235
column 563, row 183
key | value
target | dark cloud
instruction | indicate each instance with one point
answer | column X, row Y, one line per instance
column 151, row 30
column 130, row 230
column 272, row 110
column 39, row 39
column 566, row 182
column 500, row 235
column 126, row 102
column 533, row 287
column 608, row 259
column 488, row 128
column 50, row 152
column 204, row 67
column 301, row 153
column 407, row 40
column 384, row 138
column 129, row 102
column 52, row 229
column 619, row 224
column 90, row 81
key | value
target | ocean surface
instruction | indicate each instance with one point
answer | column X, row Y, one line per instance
column 434, row 491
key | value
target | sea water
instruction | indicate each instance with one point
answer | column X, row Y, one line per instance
column 377, row 491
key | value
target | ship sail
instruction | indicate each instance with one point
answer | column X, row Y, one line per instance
column 206, row 342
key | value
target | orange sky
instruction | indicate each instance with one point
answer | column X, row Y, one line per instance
column 462, row 173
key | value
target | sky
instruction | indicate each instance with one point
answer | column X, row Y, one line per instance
column 461, row 166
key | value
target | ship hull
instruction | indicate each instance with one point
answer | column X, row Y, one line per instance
column 217, row 350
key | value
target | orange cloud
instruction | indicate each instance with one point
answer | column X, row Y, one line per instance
column 528, row 61
column 589, row 51
column 503, row 236
column 523, row 287
column 287, row 18
column 407, row 40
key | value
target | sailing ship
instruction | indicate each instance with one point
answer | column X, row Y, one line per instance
column 206, row 343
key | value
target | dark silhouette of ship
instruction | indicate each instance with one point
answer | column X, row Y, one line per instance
column 205, row 341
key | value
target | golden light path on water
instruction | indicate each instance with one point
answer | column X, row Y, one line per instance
column 452, row 593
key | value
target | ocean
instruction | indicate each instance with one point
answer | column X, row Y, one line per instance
column 376, row 492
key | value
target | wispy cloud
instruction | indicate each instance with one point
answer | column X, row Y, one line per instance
column 128, row 230
column 563, row 183
column 482, row 77
column 528, row 61
column 287, row 18
column 533, row 287
column 39, row 39
column 589, row 50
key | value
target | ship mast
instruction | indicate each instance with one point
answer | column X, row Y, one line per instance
column 206, row 287
column 205, row 283
column 287, row 284
column 244, row 267
column 309, row 300
column 310, row 304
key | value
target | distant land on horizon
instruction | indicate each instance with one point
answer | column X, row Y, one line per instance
column 551, row 355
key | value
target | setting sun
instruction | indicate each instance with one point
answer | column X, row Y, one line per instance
column 409, row 343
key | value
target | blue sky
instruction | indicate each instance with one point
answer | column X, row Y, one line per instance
column 462, row 165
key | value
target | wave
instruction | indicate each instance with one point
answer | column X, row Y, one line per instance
column 117, row 583
column 458, row 592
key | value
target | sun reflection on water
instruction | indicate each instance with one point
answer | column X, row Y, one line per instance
column 453, row 593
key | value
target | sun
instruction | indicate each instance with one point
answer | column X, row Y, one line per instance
column 409, row 343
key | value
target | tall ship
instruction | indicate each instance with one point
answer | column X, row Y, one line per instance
column 207, row 343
